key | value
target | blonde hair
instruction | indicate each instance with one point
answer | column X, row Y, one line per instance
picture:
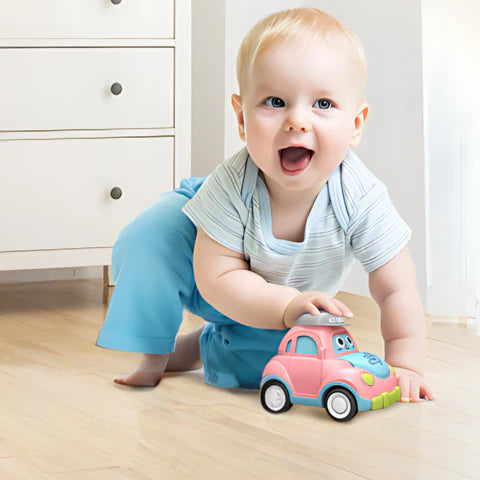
column 287, row 24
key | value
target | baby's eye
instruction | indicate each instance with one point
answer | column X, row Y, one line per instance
column 324, row 104
column 274, row 102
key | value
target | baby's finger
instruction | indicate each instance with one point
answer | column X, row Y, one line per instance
column 312, row 309
column 404, row 384
column 345, row 310
column 425, row 392
column 327, row 304
column 414, row 391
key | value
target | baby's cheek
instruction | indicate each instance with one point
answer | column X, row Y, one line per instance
column 259, row 131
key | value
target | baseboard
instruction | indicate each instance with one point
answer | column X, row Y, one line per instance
column 24, row 276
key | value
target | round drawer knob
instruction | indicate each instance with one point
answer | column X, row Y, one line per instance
column 116, row 2
column 116, row 88
column 116, row 193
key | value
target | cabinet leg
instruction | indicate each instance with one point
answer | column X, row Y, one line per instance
column 105, row 285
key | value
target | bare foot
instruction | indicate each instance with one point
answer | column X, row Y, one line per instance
column 186, row 356
column 149, row 372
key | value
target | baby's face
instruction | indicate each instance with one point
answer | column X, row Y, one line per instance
column 301, row 94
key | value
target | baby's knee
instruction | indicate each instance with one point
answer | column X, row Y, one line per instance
column 162, row 228
column 162, row 237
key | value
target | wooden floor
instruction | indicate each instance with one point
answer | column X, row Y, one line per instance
column 62, row 417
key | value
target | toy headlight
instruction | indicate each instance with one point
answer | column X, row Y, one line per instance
column 368, row 378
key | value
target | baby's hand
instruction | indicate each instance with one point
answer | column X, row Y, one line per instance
column 412, row 386
column 311, row 302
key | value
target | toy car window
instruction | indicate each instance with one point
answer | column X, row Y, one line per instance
column 306, row 346
column 289, row 344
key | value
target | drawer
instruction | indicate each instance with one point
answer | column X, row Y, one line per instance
column 56, row 193
column 70, row 88
column 87, row 19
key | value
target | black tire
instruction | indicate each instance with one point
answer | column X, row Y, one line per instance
column 275, row 397
column 345, row 408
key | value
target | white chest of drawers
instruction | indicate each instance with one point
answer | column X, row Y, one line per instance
column 94, row 103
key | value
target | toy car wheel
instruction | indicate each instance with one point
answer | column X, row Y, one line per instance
column 341, row 404
column 275, row 397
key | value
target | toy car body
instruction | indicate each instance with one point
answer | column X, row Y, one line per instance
column 319, row 364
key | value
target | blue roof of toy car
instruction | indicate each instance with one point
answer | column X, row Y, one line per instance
column 322, row 319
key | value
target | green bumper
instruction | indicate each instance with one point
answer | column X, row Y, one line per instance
column 386, row 398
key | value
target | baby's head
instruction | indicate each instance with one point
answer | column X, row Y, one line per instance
column 288, row 26
column 302, row 78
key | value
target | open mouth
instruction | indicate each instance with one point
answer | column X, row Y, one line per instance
column 295, row 160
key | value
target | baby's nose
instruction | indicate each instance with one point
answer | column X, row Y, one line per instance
column 297, row 121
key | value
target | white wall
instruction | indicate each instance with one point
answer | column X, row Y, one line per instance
column 392, row 146
column 208, row 86
column 451, row 39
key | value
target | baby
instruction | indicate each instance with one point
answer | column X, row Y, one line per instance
column 273, row 231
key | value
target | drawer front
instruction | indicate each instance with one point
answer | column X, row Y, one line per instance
column 57, row 193
column 71, row 88
column 87, row 19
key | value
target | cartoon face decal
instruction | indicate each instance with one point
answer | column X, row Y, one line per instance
column 343, row 343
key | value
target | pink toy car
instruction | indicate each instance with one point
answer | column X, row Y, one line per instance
column 319, row 364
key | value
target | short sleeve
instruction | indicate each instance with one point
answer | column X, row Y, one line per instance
column 217, row 207
column 376, row 231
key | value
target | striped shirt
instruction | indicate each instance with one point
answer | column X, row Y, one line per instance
column 352, row 218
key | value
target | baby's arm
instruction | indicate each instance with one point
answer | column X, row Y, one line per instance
column 225, row 280
column 394, row 287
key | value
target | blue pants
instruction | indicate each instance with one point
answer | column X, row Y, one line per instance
column 153, row 270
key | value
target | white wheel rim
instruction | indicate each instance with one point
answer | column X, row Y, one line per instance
column 338, row 405
column 275, row 398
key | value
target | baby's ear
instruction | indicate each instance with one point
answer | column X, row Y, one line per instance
column 360, row 120
column 237, row 107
